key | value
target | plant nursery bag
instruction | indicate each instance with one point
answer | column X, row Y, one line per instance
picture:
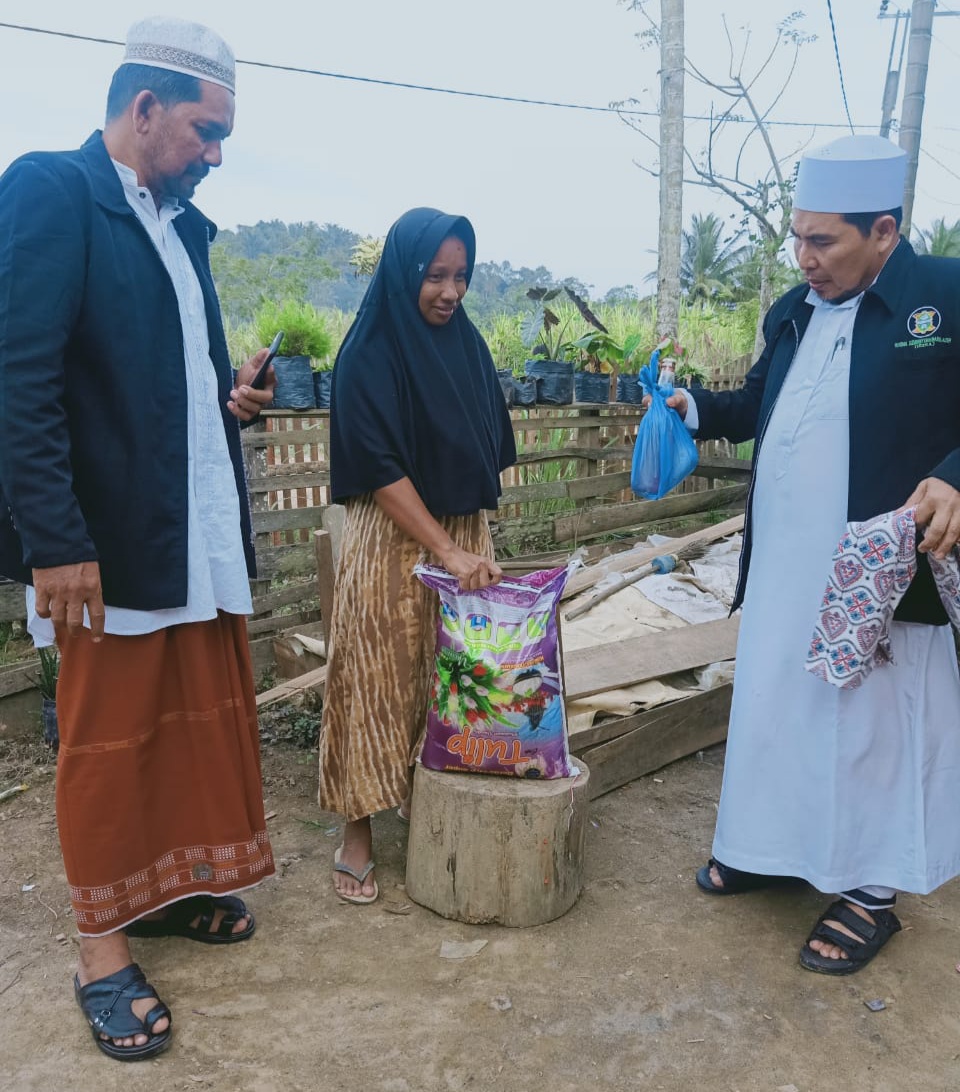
column 496, row 697
column 664, row 453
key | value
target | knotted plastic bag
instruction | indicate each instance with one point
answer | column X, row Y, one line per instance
column 664, row 453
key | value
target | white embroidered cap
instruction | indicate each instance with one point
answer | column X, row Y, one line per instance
column 852, row 174
column 181, row 46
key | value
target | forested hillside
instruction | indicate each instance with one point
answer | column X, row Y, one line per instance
column 273, row 260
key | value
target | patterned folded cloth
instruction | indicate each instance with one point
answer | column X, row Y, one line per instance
column 873, row 565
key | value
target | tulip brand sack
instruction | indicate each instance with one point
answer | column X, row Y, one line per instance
column 664, row 453
column 496, row 699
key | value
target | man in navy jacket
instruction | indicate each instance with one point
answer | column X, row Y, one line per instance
column 854, row 406
column 123, row 506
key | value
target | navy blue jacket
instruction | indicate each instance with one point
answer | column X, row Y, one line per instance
column 93, row 429
column 904, row 398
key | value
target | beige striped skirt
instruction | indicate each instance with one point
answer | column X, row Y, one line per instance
column 383, row 630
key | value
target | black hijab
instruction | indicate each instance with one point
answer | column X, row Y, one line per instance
column 414, row 400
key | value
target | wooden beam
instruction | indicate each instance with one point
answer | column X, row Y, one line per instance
column 326, row 572
column 617, row 664
column 294, row 593
column 13, row 605
column 587, row 578
column 286, row 519
column 663, row 735
column 294, row 689
column 590, row 522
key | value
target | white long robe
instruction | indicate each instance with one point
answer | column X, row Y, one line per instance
column 841, row 788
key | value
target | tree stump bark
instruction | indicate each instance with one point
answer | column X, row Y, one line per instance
column 496, row 849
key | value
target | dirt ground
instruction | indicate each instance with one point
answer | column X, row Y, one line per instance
column 644, row 984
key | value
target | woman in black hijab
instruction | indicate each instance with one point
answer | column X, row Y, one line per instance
column 419, row 432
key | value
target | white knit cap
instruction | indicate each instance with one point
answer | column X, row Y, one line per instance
column 181, row 46
column 852, row 174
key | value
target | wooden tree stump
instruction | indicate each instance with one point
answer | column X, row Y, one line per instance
column 496, row 849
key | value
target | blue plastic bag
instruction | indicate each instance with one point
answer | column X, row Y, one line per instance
column 664, row 453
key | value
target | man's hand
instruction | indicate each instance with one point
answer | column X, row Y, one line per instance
column 677, row 401
column 472, row 570
column 938, row 512
column 62, row 593
column 245, row 402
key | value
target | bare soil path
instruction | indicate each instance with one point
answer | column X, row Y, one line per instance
column 645, row 984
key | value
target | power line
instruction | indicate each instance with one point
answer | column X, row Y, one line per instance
column 836, row 50
column 733, row 118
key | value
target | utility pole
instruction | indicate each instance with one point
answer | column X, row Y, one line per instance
column 671, row 167
column 918, row 56
column 891, row 86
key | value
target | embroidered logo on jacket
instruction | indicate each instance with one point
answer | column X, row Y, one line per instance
column 922, row 326
column 923, row 322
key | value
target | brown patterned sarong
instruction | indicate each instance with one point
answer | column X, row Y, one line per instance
column 158, row 777
column 381, row 659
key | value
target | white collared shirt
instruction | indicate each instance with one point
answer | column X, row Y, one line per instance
column 216, row 566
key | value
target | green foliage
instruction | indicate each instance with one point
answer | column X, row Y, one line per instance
column 546, row 331
column 304, row 330
column 503, row 337
column 46, row 677
column 365, row 256
column 941, row 240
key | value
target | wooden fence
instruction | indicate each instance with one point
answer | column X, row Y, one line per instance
column 571, row 485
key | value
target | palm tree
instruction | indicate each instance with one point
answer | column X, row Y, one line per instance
column 939, row 240
column 707, row 260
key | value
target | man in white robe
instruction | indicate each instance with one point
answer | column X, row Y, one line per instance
column 855, row 408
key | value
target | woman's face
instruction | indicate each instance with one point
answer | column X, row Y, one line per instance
column 444, row 282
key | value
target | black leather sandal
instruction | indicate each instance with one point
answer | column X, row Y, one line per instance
column 107, row 1004
column 178, row 916
column 869, row 938
column 734, row 881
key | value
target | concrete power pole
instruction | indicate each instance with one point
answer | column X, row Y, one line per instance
column 671, row 167
column 918, row 55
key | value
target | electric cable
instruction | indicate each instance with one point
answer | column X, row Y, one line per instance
column 836, row 50
column 618, row 110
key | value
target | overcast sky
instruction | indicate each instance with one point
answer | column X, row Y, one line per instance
column 541, row 185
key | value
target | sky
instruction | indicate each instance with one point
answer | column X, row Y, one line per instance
column 543, row 186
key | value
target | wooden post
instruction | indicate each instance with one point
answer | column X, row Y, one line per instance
column 496, row 849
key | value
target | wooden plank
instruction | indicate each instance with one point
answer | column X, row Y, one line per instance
column 295, row 593
column 590, row 522
column 294, row 438
column 636, row 659
column 569, row 452
column 630, row 416
column 326, row 571
column 668, row 733
column 258, row 626
column 294, row 689
column 581, row 581
column 597, row 485
column 302, row 479
column 13, row 606
column 286, row 519
column 20, row 676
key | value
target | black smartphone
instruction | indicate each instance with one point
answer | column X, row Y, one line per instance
column 261, row 377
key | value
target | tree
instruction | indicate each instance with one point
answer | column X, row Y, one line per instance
column 940, row 239
column 707, row 260
column 765, row 202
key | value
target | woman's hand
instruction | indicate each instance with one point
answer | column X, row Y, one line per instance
column 472, row 570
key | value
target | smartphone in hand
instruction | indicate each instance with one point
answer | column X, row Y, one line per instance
column 261, row 377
